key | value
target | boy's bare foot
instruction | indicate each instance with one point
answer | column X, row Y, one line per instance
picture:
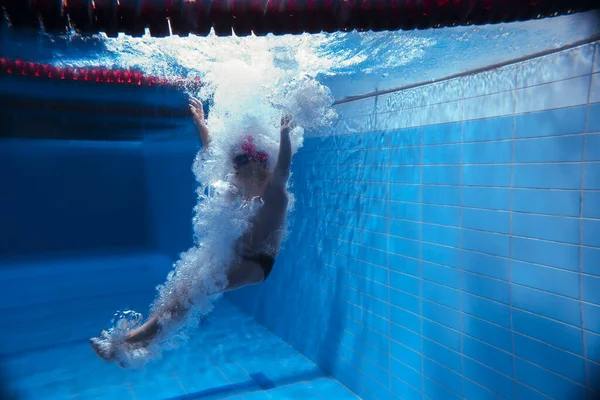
column 104, row 354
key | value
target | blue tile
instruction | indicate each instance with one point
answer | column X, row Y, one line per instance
column 373, row 338
column 441, row 154
column 443, row 375
column 441, row 314
column 486, row 175
column 444, row 195
column 405, row 137
column 406, row 346
column 473, row 391
column 487, row 152
column 591, row 289
column 375, row 274
column 347, row 375
column 405, row 319
column 482, row 197
column 547, row 176
column 551, row 358
column 590, row 260
column 403, row 210
column 487, row 332
column 592, row 146
column 373, row 390
column 374, row 140
column 406, row 327
column 372, row 256
column 546, row 227
column 434, row 390
column 488, row 378
column 379, row 374
column 405, row 229
column 405, row 193
column 591, row 317
column 373, row 223
column 486, row 220
column 369, row 319
column 552, row 149
column 547, row 253
column 440, row 274
column 443, row 133
column 488, row 129
column 406, row 373
column 489, row 288
column 592, row 344
column 405, row 156
column 488, row 310
column 405, row 265
column 483, row 242
column 407, row 247
column 556, row 202
column 233, row 372
column 375, row 157
column 405, row 174
column 443, row 215
column 441, row 294
column 441, row 334
column 546, row 304
column 525, row 392
column 332, row 389
column 547, row 382
column 484, row 264
column 370, row 303
column 441, row 175
column 348, row 168
column 594, row 117
column 565, row 283
column 444, row 255
column 591, row 204
column 442, row 355
column 372, row 206
column 490, row 356
column 405, row 300
column 404, row 390
column 441, row 234
column 590, row 232
column 373, row 189
column 549, row 331
column 554, row 122
column 376, row 173
column 370, row 239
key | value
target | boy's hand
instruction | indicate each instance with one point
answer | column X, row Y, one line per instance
column 197, row 111
column 286, row 123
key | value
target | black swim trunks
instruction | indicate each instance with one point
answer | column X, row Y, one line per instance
column 264, row 260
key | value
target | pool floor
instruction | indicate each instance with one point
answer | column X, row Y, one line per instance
column 230, row 357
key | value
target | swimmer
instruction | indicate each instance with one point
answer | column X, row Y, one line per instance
column 256, row 249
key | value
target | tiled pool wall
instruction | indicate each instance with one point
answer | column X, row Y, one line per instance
column 445, row 240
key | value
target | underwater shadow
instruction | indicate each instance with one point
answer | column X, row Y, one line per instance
column 258, row 382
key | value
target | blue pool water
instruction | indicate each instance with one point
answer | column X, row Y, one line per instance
column 444, row 241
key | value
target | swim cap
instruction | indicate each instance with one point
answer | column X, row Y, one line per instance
column 249, row 149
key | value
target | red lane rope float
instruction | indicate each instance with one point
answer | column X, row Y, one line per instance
column 89, row 74
column 259, row 17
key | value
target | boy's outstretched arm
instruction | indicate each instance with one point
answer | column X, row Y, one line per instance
column 281, row 173
column 198, row 113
